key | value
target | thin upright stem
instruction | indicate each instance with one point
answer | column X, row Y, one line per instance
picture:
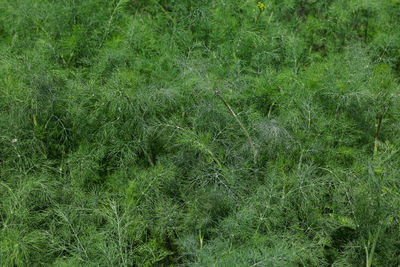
column 241, row 126
column 378, row 129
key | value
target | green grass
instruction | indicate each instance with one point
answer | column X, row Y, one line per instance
column 116, row 150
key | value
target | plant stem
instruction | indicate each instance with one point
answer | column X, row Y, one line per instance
column 378, row 129
column 241, row 126
column 258, row 16
column 165, row 12
column 270, row 109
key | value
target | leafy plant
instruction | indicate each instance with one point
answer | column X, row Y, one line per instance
column 116, row 151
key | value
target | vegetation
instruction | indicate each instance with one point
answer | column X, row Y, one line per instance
column 199, row 133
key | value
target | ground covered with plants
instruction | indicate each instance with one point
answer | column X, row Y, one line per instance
column 199, row 133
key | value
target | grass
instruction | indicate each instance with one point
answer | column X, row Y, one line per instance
column 115, row 149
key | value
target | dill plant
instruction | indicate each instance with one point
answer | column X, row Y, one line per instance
column 115, row 150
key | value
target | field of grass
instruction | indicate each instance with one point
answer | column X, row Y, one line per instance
column 199, row 133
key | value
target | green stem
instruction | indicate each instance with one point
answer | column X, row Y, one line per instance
column 258, row 16
column 378, row 129
column 241, row 126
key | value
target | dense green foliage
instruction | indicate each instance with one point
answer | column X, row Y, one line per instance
column 115, row 149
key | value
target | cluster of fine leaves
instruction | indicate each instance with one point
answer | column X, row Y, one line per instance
column 116, row 150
